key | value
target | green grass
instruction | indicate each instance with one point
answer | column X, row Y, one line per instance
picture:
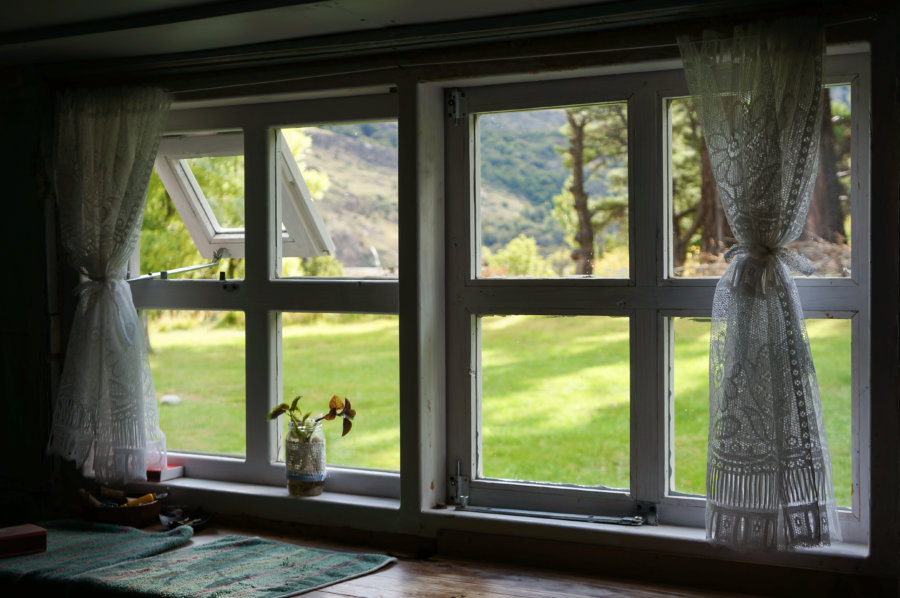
column 555, row 399
column 830, row 344
column 555, row 393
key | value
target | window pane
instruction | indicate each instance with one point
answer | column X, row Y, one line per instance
column 355, row 356
column 553, row 192
column 350, row 172
column 830, row 343
column 166, row 243
column 555, row 399
column 700, row 232
column 221, row 179
column 197, row 360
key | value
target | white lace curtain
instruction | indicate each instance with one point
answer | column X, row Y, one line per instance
column 105, row 417
column 759, row 96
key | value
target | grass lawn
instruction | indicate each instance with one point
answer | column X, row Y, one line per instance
column 555, row 393
column 830, row 344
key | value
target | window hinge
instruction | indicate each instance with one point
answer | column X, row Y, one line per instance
column 456, row 109
column 459, row 488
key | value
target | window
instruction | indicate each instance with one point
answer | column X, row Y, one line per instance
column 576, row 308
column 284, row 187
column 581, row 389
column 192, row 166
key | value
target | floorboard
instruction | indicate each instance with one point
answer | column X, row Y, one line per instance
column 439, row 577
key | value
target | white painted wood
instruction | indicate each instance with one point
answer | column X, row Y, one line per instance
column 261, row 354
column 648, row 299
column 461, row 333
column 262, row 296
column 305, row 234
column 437, row 164
column 430, row 448
column 645, row 153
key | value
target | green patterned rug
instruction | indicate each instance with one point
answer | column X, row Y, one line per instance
column 231, row 566
column 74, row 547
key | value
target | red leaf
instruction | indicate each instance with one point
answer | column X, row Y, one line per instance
column 347, row 425
column 283, row 408
column 335, row 403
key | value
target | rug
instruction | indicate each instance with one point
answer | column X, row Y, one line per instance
column 232, row 566
column 74, row 547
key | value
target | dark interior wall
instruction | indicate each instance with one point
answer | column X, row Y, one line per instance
column 25, row 347
column 29, row 352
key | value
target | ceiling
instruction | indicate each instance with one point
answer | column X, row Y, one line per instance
column 45, row 31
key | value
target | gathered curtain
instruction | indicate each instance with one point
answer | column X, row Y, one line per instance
column 759, row 97
column 105, row 416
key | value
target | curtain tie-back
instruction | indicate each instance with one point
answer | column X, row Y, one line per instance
column 88, row 292
column 768, row 257
column 91, row 284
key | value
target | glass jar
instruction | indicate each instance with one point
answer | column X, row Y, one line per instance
column 304, row 456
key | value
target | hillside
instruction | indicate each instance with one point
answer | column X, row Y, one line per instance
column 360, row 205
column 521, row 171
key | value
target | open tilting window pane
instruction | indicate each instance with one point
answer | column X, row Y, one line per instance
column 355, row 356
column 197, row 360
column 553, row 192
column 348, row 175
column 829, row 340
column 221, row 181
column 203, row 174
column 555, row 399
column 166, row 244
column 700, row 233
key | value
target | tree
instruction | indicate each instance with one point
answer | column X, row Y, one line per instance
column 520, row 257
column 825, row 218
column 698, row 219
column 594, row 200
column 165, row 242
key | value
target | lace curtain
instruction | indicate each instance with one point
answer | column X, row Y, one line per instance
column 105, row 417
column 768, row 471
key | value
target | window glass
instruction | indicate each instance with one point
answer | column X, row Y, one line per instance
column 553, row 192
column 221, row 180
column 555, row 399
column 355, row 356
column 167, row 244
column 197, row 360
column 350, row 174
column 830, row 341
column 700, row 233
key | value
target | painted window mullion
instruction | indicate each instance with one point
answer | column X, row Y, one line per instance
column 262, row 358
column 645, row 153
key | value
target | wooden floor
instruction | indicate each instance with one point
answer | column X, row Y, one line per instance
column 439, row 577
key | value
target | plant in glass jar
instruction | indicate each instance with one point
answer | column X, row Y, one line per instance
column 304, row 449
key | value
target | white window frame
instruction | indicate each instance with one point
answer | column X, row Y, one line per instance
column 263, row 295
column 304, row 232
column 649, row 296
